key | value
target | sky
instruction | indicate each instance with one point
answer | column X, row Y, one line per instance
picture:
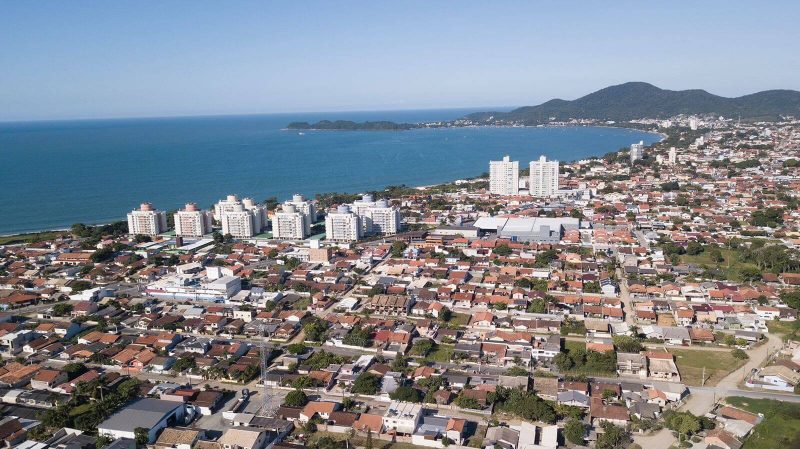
column 101, row 59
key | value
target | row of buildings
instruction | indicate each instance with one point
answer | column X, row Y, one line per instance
column 542, row 181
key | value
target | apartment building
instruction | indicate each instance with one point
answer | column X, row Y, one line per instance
column 306, row 208
column 146, row 221
column 343, row 225
column 290, row 224
column 241, row 219
column 191, row 221
column 504, row 177
column 543, row 177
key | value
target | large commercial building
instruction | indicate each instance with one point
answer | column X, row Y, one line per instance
column 637, row 151
column 191, row 221
column 307, row 208
column 532, row 229
column 342, row 225
column 241, row 219
column 146, row 220
column 152, row 415
column 376, row 217
column 543, row 177
column 290, row 223
column 504, row 177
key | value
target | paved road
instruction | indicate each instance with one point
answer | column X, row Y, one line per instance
column 625, row 297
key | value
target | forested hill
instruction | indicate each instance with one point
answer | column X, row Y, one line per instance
column 642, row 100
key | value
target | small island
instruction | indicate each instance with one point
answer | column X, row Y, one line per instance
column 347, row 125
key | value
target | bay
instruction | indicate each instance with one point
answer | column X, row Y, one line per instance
column 58, row 173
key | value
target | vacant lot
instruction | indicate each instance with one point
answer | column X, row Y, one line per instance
column 730, row 266
column 778, row 430
column 718, row 364
column 441, row 353
column 786, row 329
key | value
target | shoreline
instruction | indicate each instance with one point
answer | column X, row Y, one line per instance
column 23, row 235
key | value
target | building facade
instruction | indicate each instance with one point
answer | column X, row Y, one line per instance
column 306, row 208
column 191, row 221
column 290, row 224
column 543, row 177
column 147, row 221
column 637, row 151
column 241, row 219
column 343, row 225
column 504, row 177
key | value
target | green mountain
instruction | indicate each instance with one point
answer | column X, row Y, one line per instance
column 639, row 100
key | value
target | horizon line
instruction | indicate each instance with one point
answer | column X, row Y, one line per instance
column 244, row 114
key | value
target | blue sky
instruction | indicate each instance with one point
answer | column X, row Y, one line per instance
column 81, row 59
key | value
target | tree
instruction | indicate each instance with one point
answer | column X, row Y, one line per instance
column 467, row 402
column 563, row 361
column 295, row 398
column 739, row 354
column 398, row 246
column 502, row 250
column 358, row 336
column 612, row 437
column 399, row 363
column 694, row 248
column 422, row 347
column 62, row 309
column 366, row 383
column 516, row 371
column 446, row 314
column 74, row 370
column 624, row 343
column 538, row 305
column 406, row 394
column 142, row 436
column 574, row 431
column 296, row 348
column 369, row 444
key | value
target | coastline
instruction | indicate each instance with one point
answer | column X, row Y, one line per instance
column 26, row 236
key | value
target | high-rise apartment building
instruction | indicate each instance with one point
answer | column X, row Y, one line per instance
column 241, row 219
column 289, row 223
column 191, row 221
column 504, row 177
column 146, row 221
column 306, row 208
column 376, row 217
column 673, row 156
column 543, row 178
column 637, row 151
column 342, row 225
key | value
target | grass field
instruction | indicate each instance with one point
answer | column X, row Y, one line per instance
column 29, row 238
column 718, row 364
column 458, row 320
column 730, row 266
column 441, row 353
column 780, row 428
column 786, row 329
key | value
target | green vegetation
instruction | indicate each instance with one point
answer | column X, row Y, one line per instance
column 524, row 404
column 366, row 383
column 295, row 398
column 576, row 359
column 30, row 238
column 778, row 430
column 322, row 359
column 440, row 353
column 613, row 437
column 358, row 336
column 636, row 99
column 407, row 394
column 718, row 364
column 786, row 329
column 574, row 431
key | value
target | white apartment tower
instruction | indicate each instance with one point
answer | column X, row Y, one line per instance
column 192, row 222
column 343, row 225
column 543, row 177
column 241, row 219
column 504, row 177
column 637, row 151
column 146, row 220
column 376, row 217
column 306, row 208
column 289, row 224
column 673, row 156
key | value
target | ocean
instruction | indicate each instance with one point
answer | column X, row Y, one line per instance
column 58, row 173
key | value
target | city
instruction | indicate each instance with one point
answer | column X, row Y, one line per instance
column 646, row 298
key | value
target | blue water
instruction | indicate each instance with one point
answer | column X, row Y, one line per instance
column 55, row 174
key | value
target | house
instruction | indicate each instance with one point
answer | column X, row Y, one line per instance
column 402, row 417
column 614, row 414
column 48, row 379
column 501, row 438
column 778, row 377
column 323, row 409
column 243, row 438
column 367, row 422
column 11, row 431
column 632, row 365
column 662, row 366
column 532, row 436
column 175, row 438
column 148, row 413
column 722, row 439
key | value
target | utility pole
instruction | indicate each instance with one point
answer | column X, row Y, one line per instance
column 703, row 381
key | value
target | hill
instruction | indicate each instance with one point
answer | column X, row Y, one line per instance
column 638, row 100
